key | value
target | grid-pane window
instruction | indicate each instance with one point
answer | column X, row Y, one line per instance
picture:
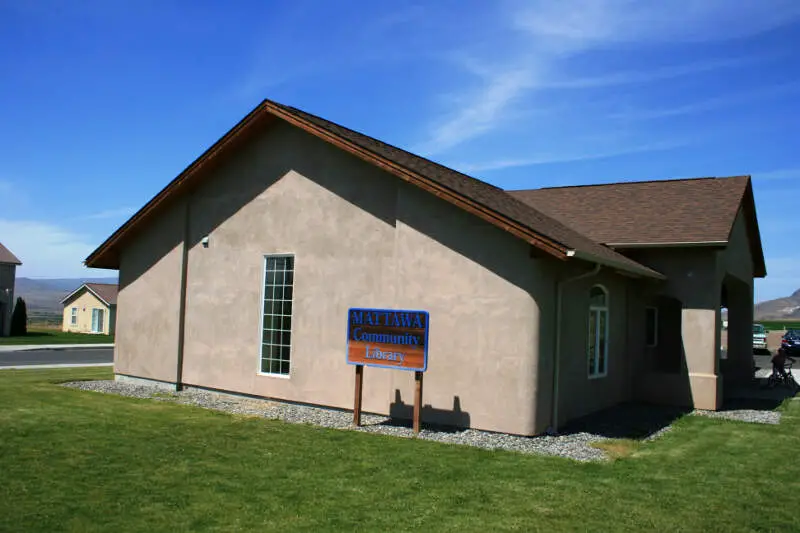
column 276, row 336
column 74, row 316
column 597, row 345
column 651, row 326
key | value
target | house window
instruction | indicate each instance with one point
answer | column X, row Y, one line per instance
column 73, row 319
column 651, row 326
column 598, row 332
column 276, row 321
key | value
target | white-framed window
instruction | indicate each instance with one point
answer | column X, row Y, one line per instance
column 276, row 318
column 651, row 326
column 597, row 346
column 73, row 318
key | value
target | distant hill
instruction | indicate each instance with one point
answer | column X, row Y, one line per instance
column 45, row 295
column 788, row 307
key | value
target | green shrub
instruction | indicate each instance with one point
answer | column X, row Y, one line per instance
column 19, row 319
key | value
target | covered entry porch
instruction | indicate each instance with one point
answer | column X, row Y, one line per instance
column 684, row 357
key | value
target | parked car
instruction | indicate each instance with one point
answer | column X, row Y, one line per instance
column 791, row 343
column 759, row 337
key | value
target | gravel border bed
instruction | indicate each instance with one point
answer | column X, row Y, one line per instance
column 743, row 415
column 572, row 445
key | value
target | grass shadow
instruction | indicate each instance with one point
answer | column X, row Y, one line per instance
column 627, row 421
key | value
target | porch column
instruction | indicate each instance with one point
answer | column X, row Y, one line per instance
column 700, row 331
column 738, row 368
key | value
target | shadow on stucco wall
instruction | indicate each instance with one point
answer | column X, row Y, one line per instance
column 275, row 149
column 401, row 413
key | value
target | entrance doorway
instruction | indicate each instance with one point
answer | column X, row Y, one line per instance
column 98, row 320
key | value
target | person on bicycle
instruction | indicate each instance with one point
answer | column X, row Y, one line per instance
column 779, row 362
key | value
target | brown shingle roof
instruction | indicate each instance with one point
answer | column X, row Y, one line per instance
column 692, row 210
column 699, row 210
column 7, row 257
column 484, row 200
column 106, row 291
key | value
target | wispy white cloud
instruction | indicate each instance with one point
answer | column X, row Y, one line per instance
column 483, row 112
column 404, row 14
column 543, row 159
column 368, row 39
column 117, row 213
column 571, row 24
column 778, row 174
column 708, row 104
column 647, row 76
column 548, row 34
column 47, row 250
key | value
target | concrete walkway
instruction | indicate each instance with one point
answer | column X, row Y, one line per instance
column 26, row 347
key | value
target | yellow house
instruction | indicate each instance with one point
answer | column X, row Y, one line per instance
column 91, row 308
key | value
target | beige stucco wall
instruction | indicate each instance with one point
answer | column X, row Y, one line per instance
column 146, row 342
column 578, row 393
column 362, row 238
column 85, row 302
column 7, row 278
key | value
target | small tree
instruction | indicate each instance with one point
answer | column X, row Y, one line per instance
column 19, row 319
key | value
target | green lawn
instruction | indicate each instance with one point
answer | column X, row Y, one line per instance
column 773, row 325
column 81, row 461
column 54, row 336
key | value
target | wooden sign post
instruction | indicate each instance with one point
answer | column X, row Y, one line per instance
column 417, row 401
column 388, row 338
column 359, row 387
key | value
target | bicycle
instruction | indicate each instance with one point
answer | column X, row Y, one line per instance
column 787, row 379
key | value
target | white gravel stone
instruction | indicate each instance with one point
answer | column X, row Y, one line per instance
column 573, row 446
column 577, row 446
column 743, row 415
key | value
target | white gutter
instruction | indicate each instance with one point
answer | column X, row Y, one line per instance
column 557, row 357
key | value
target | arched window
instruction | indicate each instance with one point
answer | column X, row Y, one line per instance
column 597, row 348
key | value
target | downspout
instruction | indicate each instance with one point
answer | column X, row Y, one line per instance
column 182, row 304
column 557, row 357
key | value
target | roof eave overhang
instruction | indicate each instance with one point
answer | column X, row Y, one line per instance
column 640, row 271
column 686, row 244
column 753, row 231
column 106, row 256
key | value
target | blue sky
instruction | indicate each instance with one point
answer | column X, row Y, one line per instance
column 102, row 102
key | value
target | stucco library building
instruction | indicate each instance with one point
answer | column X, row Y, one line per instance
column 544, row 305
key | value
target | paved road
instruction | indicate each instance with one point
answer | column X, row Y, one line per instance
column 72, row 356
